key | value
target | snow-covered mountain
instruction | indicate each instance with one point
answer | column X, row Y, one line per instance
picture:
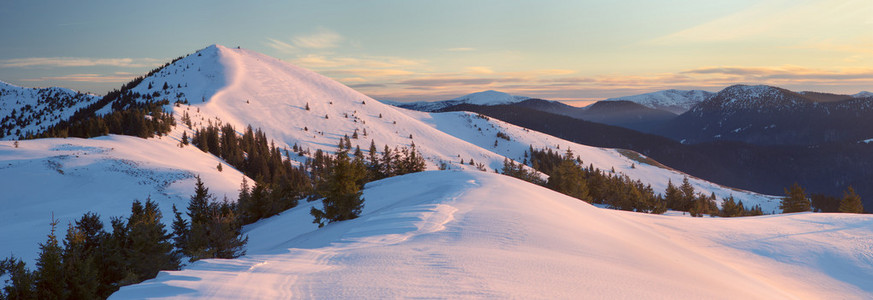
column 242, row 88
column 448, row 234
column 864, row 94
column 770, row 115
column 31, row 110
column 489, row 97
column 675, row 101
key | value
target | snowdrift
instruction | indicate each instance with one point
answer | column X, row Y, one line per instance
column 450, row 234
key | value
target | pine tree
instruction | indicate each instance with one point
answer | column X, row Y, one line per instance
column 569, row 179
column 150, row 249
column 672, row 196
column 342, row 192
column 21, row 283
column 49, row 273
column 795, row 200
column 79, row 265
column 851, row 202
column 181, row 230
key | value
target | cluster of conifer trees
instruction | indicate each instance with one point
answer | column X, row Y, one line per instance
column 279, row 185
column 93, row 263
column 568, row 176
column 796, row 200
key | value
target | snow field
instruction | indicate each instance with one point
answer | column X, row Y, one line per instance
column 469, row 234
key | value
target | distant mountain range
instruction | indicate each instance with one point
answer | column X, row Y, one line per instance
column 674, row 101
column 767, row 115
column 762, row 115
column 489, row 97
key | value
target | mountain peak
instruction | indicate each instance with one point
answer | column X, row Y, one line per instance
column 490, row 97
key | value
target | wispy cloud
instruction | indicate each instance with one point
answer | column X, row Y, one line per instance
column 321, row 38
column 280, row 45
column 95, row 78
column 78, row 62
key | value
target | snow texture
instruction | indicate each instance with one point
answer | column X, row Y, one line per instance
column 450, row 234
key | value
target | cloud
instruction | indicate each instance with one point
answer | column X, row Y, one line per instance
column 367, row 85
column 95, row 78
column 280, row 45
column 779, row 74
column 438, row 82
column 78, row 62
column 320, row 39
column 461, row 49
column 367, row 72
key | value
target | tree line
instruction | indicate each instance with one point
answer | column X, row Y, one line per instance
column 280, row 185
column 568, row 176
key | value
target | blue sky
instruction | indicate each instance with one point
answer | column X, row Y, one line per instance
column 428, row 50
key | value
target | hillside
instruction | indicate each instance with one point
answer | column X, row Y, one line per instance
column 31, row 110
column 617, row 113
column 241, row 88
column 768, row 169
column 65, row 178
column 481, row 235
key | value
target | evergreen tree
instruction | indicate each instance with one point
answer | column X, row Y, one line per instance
column 181, row 230
column 342, row 192
column 150, row 249
column 795, row 200
column 569, row 179
column 79, row 265
column 21, row 283
column 49, row 273
column 673, row 196
column 851, row 202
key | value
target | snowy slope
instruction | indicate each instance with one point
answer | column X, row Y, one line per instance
column 864, row 94
column 242, row 87
column 69, row 177
column 489, row 97
column 25, row 110
column 675, row 101
column 475, row 234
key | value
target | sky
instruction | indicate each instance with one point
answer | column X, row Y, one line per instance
column 573, row 51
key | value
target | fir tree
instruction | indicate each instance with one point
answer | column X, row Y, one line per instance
column 150, row 249
column 21, row 283
column 342, row 192
column 851, row 202
column 49, row 273
column 79, row 265
column 795, row 200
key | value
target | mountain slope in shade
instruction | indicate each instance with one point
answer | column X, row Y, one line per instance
column 489, row 97
column 617, row 113
column 675, row 101
column 66, row 178
column 772, row 116
column 24, row 110
column 482, row 235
